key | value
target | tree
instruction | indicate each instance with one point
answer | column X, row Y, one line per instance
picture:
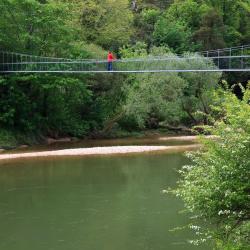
column 173, row 34
column 211, row 31
column 197, row 95
column 49, row 105
column 208, row 24
column 31, row 26
column 177, row 24
column 216, row 186
column 173, row 97
column 188, row 12
column 107, row 23
column 144, row 22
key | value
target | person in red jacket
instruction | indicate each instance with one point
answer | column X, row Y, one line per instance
column 110, row 59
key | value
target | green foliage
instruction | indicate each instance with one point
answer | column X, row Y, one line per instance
column 144, row 22
column 171, row 97
column 49, row 104
column 155, row 96
column 209, row 24
column 146, row 4
column 188, row 12
column 134, row 51
column 210, row 33
column 176, row 26
column 107, row 23
column 176, row 35
column 31, row 26
column 76, row 105
column 197, row 95
column 216, row 187
column 7, row 139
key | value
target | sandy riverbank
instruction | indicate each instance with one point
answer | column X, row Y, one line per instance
column 185, row 138
column 97, row 151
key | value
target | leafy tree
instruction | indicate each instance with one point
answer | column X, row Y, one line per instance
column 144, row 4
column 216, row 186
column 208, row 24
column 46, row 104
column 211, row 31
column 31, row 26
column 197, row 95
column 155, row 97
column 244, row 29
column 188, row 12
column 135, row 28
column 172, row 97
column 144, row 22
column 173, row 34
column 107, row 23
column 176, row 25
column 134, row 51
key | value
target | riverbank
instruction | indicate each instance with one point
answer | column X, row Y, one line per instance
column 105, row 147
column 98, row 151
column 10, row 140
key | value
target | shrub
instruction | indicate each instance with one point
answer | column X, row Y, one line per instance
column 216, row 186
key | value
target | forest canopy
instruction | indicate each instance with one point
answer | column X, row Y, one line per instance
column 83, row 105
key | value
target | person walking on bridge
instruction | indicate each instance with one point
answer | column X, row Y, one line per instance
column 110, row 59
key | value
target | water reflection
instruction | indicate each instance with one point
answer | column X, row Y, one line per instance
column 93, row 203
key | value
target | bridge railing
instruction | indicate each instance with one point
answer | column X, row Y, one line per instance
column 235, row 63
column 232, row 59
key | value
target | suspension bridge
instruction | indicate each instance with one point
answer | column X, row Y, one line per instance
column 235, row 59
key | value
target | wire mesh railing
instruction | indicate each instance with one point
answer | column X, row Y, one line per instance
column 228, row 59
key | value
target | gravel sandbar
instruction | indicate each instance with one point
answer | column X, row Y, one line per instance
column 96, row 151
column 185, row 138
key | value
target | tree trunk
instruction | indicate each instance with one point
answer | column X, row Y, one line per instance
column 179, row 128
column 134, row 5
column 109, row 125
column 189, row 114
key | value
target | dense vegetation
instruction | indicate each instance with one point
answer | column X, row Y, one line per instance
column 216, row 187
column 76, row 105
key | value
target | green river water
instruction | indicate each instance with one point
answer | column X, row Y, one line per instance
column 93, row 203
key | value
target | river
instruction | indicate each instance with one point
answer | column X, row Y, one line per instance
column 93, row 203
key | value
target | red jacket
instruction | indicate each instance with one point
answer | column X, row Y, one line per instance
column 110, row 57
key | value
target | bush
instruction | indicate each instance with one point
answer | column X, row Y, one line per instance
column 7, row 139
column 45, row 104
column 216, row 187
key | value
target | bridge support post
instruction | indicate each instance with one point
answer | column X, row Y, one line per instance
column 241, row 61
column 218, row 56
column 230, row 60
